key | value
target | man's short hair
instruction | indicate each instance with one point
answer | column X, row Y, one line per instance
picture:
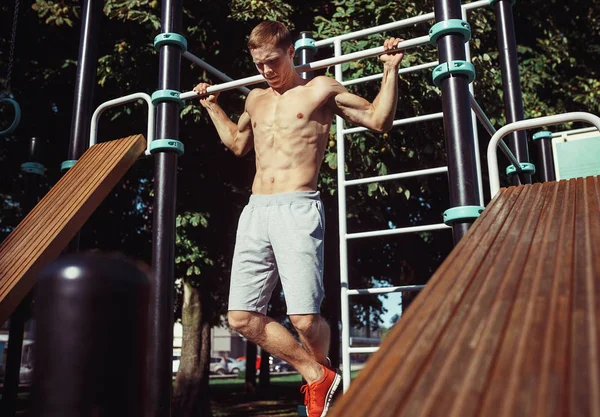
column 271, row 33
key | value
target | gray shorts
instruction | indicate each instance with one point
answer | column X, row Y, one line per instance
column 279, row 236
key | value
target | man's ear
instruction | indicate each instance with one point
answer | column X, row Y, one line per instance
column 291, row 51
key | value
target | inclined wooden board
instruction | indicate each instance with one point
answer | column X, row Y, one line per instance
column 509, row 325
column 53, row 222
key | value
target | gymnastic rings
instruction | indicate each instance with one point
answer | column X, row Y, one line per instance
column 9, row 100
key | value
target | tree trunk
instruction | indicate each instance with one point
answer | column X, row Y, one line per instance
column 191, row 392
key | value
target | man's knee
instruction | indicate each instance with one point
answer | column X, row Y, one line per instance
column 307, row 323
column 240, row 321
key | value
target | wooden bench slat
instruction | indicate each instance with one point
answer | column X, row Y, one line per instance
column 53, row 222
column 584, row 349
column 493, row 332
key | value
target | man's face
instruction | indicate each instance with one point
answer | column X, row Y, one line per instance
column 273, row 63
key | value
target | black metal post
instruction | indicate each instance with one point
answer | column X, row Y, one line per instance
column 92, row 321
column 163, row 237
column 84, row 87
column 543, row 141
column 86, row 78
column 462, row 174
column 513, row 97
column 33, row 170
column 305, row 54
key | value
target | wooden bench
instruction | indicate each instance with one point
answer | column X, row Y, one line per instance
column 55, row 220
column 509, row 325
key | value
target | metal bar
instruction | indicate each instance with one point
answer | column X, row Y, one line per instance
column 203, row 64
column 492, row 154
column 150, row 129
column 411, row 21
column 511, row 82
column 86, row 77
column 343, row 244
column 400, row 122
column 306, row 56
column 390, row 177
column 399, row 231
column 546, row 167
column 312, row 66
column 474, row 124
column 160, row 342
column 363, row 350
column 574, row 131
column 385, row 290
column 462, row 172
column 401, row 71
column 492, row 130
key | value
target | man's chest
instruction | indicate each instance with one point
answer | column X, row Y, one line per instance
column 287, row 111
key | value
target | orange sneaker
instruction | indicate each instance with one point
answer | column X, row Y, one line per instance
column 318, row 395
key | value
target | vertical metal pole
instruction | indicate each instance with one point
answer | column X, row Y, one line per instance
column 84, row 87
column 163, row 237
column 543, row 141
column 31, row 177
column 92, row 317
column 513, row 97
column 341, row 173
column 86, row 78
column 306, row 55
column 462, row 174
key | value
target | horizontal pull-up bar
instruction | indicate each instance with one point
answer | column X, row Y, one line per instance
column 324, row 63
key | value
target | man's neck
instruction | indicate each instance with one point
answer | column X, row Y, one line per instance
column 294, row 81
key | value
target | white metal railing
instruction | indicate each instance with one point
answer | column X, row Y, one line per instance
column 150, row 133
column 537, row 122
column 343, row 183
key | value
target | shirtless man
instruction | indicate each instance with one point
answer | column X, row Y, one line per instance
column 280, row 231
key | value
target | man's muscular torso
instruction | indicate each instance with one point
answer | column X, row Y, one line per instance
column 290, row 132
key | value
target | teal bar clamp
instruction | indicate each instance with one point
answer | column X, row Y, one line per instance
column 166, row 95
column 448, row 69
column 526, row 168
column 33, row 168
column 170, row 39
column 446, row 27
column 305, row 43
column 17, row 118
column 462, row 213
column 167, row 145
column 68, row 164
column 544, row 134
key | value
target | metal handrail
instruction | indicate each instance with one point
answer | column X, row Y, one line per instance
column 150, row 134
column 492, row 153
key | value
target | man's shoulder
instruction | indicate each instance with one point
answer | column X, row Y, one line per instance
column 323, row 80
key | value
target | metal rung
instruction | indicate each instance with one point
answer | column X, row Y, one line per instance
column 400, row 122
column 363, row 349
column 386, row 232
column 406, row 70
column 421, row 172
column 384, row 290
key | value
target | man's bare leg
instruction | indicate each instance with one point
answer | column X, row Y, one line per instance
column 314, row 334
column 274, row 338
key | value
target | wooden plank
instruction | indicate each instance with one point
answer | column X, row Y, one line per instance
column 509, row 325
column 584, row 349
column 55, row 220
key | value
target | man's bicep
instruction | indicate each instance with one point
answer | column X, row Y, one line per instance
column 245, row 135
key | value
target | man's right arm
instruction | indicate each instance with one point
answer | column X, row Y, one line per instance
column 238, row 138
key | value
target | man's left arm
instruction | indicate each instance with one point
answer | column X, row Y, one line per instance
column 378, row 115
